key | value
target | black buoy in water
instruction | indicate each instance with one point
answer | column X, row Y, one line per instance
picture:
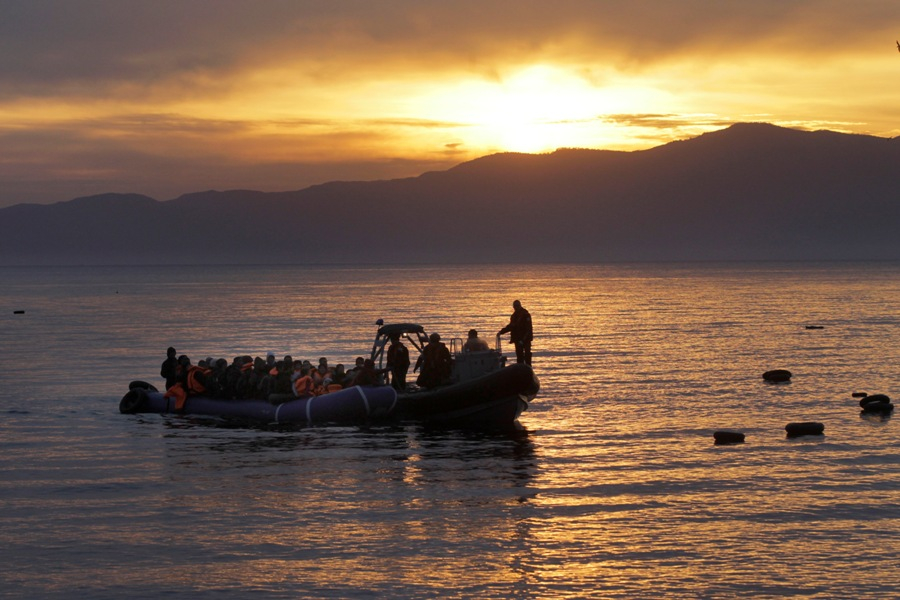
column 878, row 408
column 777, row 375
column 875, row 399
column 728, row 437
column 804, row 428
column 18, row 312
column 876, row 403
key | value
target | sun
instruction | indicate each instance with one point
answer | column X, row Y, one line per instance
column 536, row 109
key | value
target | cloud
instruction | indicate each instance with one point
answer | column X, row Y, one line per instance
column 164, row 97
column 166, row 155
column 130, row 47
column 667, row 121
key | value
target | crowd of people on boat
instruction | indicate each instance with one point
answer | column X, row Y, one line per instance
column 247, row 377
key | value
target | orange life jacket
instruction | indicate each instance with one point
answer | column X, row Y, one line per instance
column 177, row 392
column 193, row 385
column 303, row 386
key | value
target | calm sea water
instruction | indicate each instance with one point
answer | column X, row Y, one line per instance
column 613, row 487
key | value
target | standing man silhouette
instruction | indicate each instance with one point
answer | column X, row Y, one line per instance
column 397, row 362
column 169, row 368
column 435, row 362
column 520, row 332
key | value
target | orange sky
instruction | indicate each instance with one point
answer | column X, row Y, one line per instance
column 164, row 98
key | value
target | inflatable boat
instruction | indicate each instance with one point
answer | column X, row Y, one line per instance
column 482, row 392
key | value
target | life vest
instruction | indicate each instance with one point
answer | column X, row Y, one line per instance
column 333, row 387
column 193, row 384
column 177, row 392
column 303, row 386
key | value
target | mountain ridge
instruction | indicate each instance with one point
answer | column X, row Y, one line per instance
column 752, row 191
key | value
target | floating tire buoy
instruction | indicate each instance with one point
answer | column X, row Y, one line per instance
column 858, row 395
column 806, row 428
column 878, row 407
column 18, row 312
column 777, row 375
column 133, row 401
column 728, row 437
column 143, row 385
column 875, row 399
column 815, row 327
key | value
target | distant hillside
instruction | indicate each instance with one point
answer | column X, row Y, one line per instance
column 752, row 191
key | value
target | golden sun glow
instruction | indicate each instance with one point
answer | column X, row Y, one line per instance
column 298, row 93
column 538, row 109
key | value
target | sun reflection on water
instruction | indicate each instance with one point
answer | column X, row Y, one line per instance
column 613, row 489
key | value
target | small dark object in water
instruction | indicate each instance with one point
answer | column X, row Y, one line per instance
column 859, row 395
column 728, row 437
column 878, row 407
column 777, row 375
column 133, row 401
column 875, row 399
column 815, row 327
column 18, row 312
column 142, row 385
column 805, row 428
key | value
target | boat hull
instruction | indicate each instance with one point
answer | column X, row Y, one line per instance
column 351, row 404
column 493, row 400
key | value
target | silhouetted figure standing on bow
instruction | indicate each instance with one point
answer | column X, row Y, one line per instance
column 169, row 368
column 520, row 332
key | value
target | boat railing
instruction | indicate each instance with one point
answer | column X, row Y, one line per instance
column 458, row 345
column 471, row 365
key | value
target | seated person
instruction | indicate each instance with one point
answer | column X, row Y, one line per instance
column 323, row 367
column 475, row 343
column 367, row 375
column 339, row 376
column 351, row 373
column 302, row 383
